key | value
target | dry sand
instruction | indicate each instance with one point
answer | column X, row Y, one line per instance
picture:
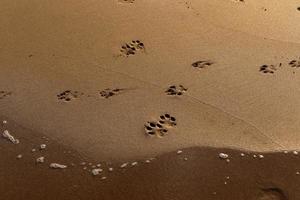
column 64, row 75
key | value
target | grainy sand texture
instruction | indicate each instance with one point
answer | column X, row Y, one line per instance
column 136, row 99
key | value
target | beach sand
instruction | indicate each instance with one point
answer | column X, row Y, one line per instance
column 89, row 79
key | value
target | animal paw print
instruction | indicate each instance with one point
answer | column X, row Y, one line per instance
column 132, row 47
column 269, row 68
column 202, row 64
column 110, row 92
column 126, row 1
column 294, row 63
column 4, row 94
column 243, row 1
column 161, row 127
column 176, row 90
column 69, row 95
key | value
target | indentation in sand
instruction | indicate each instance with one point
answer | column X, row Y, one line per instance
column 160, row 127
column 269, row 69
column 272, row 194
column 202, row 64
column 69, row 95
column 126, row 1
column 176, row 90
column 131, row 48
column 4, row 94
column 295, row 63
column 110, row 92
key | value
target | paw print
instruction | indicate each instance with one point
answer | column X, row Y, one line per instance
column 69, row 95
column 4, row 94
column 176, row 90
column 294, row 63
column 161, row 127
column 132, row 48
column 202, row 64
column 269, row 68
column 155, row 128
column 110, row 92
column 126, row 1
column 167, row 120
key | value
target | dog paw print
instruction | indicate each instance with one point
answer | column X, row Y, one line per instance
column 69, row 95
column 155, row 128
column 132, row 48
column 126, row 1
column 161, row 127
column 110, row 92
column 175, row 90
column 269, row 68
column 4, row 94
column 294, row 63
column 202, row 64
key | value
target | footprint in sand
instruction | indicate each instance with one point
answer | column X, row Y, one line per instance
column 4, row 94
column 294, row 63
column 110, row 92
column 131, row 48
column 161, row 127
column 238, row 1
column 176, row 90
column 202, row 64
column 269, row 69
column 69, row 95
column 126, row 1
column 272, row 194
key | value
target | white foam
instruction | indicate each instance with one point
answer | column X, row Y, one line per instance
column 179, row 152
column 40, row 159
column 11, row 138
column 295, row 152
column 97, row 171
column 19, row 156
column 124, row 165
column 223, row 155
column 261, row 156
column 134, row 163
column 57, row 166
column 43, row 146
column 110, row 169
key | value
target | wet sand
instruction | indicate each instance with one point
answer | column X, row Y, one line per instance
column 190, row 173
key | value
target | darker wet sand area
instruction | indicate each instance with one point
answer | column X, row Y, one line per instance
column 191, row 173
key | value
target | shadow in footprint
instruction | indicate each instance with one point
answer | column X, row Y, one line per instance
column 176, row 90
column 202, row 64
column 126, row 1
column 269, row 69
column 4, row 94
column 68, row 95
column 131, row 48
column 294, row 63
column 107, row 93
column 272, row 194
column 160, row 127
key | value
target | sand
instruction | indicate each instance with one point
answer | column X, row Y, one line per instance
column 89, row 75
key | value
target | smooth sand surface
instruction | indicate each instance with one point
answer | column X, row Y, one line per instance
column 238, row 60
